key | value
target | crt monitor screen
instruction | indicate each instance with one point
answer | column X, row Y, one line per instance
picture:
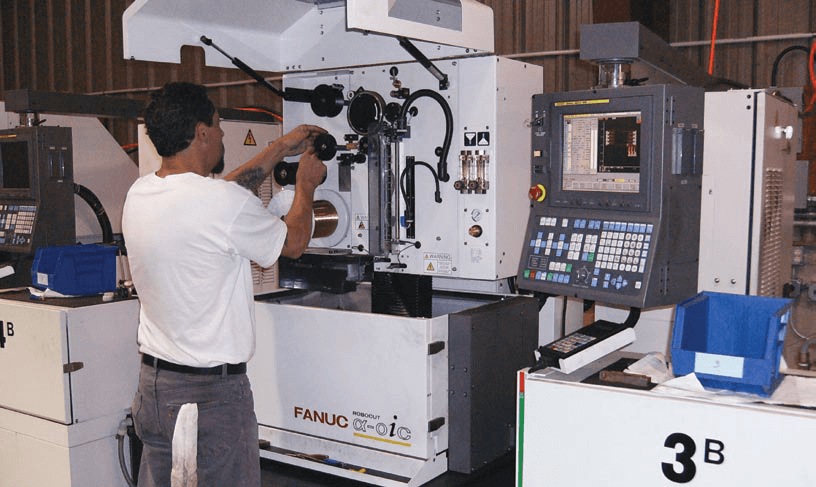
column 602, row 152
column 14, row 165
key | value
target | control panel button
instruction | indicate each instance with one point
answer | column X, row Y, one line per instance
column 538, row 193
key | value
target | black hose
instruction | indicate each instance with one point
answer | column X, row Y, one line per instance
column 715, row 83
column 120, row 440
column 632, row 319
column 437, row 193
column 778, row 59
column 442, row 166
column 104, row 222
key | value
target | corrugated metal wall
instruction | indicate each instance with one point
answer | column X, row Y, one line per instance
column 76, row 46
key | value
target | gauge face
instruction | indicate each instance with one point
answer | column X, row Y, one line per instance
column 366, row 108
column 476, row 215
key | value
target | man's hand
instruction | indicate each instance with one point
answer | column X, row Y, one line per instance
column 299, row 139
column 311, row 171
column 252, row 174
column 310, row 174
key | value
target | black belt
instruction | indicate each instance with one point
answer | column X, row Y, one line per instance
column 226, row 369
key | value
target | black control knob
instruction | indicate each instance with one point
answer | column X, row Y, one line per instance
column 392, row 111
column 285, row 173
column 326, row 147
column 327, row 101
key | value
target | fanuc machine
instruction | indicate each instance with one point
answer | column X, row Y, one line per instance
column 394, row 359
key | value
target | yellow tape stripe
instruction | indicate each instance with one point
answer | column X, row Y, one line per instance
column 384, row 440
column 581, row 102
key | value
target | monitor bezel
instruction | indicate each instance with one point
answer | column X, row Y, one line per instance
column 30, row 139
column 580, row 104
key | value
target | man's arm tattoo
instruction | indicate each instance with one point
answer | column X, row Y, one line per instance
column 251, row 179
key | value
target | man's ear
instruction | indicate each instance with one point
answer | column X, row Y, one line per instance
column 201, row 131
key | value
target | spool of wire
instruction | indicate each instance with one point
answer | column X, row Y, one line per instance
column 325, row 219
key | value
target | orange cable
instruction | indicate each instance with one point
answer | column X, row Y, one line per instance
column 713, row 37
column 261, row 110
column 811, row 59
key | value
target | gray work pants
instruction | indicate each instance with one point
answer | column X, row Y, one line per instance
column 227, row 428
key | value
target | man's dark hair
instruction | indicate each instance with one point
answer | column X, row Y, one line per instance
column 173, row 113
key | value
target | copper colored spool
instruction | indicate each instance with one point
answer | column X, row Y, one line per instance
column 325, row 219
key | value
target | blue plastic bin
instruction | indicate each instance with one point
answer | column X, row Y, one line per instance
column 731, row 341
column 75, row 269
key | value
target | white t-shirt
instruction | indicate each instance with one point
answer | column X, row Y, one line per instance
column 189, row 240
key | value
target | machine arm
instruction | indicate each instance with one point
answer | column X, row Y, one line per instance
column 326, row 101
column 425, row 62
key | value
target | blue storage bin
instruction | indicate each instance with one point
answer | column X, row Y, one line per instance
column 75, row 269
column 731, row 341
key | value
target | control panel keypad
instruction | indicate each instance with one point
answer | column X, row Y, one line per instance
column 602, row 254
column 17, row 224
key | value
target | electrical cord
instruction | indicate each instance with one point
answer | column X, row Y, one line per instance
column 779, row 57
column 262, row 109
column 797, row 332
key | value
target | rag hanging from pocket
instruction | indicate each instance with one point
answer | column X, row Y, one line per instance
column 185, row 442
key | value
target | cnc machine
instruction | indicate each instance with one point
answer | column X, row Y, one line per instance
column 392, row 360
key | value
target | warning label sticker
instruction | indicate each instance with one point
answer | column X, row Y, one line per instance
column 360, row 222
column 249, row 139
column 437, row 263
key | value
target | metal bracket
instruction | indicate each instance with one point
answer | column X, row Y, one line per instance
column 72, row 367
column 435, row 424
column 435, row 347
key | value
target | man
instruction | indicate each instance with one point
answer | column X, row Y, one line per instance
column 190, row 239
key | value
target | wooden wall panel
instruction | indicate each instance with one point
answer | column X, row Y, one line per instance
column 524, row 28
column 76, row 46
column 749, row 63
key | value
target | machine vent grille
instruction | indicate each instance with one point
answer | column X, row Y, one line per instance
column 265, row 280
column 402, row 295
column 770, row 257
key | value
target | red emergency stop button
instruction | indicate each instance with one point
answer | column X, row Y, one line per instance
column 538, row 193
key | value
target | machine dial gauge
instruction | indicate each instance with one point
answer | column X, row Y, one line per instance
column 476, row 215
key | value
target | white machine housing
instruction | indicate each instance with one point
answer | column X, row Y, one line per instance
column 489, row 97
column 69, row 376
column 305, row 35
column 749, row 176
column 574, row 434
column 388, row 400
column 371, row 396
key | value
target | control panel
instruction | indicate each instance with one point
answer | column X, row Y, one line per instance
column 36, row 189
column 615, row 195
column 17, row 224
column 590, row 253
